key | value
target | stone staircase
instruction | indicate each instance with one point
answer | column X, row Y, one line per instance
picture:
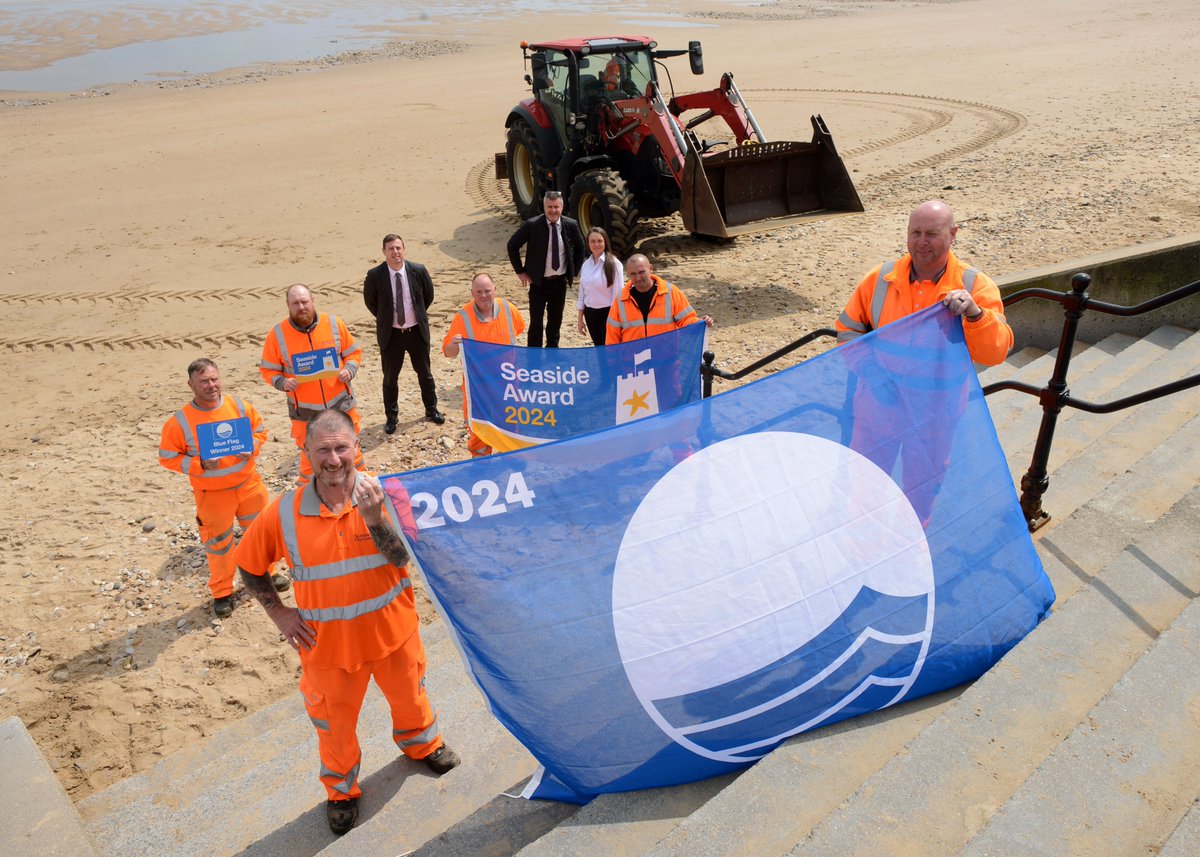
column 1084, row 740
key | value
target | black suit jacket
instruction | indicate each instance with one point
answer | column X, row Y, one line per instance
column 377, row 295
column 534, row 235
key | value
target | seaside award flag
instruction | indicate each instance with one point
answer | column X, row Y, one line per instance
column 671, row 598
column 519, row 397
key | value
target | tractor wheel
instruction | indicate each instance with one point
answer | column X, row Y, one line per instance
column 601, row 198
column 526, row 174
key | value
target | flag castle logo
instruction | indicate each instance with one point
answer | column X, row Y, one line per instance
column 637, row 392
column 805, row 601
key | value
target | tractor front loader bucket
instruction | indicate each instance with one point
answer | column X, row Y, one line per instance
column 760, row 186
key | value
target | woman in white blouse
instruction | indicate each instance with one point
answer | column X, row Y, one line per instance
column 600, row 282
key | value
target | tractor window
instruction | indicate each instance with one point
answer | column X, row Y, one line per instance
column 555, row 97
column 627, row 73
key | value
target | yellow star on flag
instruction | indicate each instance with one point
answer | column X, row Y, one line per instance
column 635, row 401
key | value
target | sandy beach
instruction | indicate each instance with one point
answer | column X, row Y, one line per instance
column 154, row 223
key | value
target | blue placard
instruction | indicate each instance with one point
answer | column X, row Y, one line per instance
column 321, row 363
column 227, row 437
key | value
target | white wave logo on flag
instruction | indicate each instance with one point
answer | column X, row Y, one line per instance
column 732, row 654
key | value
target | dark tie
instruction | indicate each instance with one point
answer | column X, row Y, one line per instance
column 554, row 246
column 399, row 301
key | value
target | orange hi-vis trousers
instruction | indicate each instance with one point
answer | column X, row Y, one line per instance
column 215, row 514
column 333, row 698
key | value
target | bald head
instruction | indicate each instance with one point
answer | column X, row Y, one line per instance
column 640, row 272
column 931, row 232
column 301, row 309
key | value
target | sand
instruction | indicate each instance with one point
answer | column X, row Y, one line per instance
column 151, row 224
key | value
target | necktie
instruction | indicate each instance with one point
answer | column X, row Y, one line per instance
column 399, row 301
column 554, row 246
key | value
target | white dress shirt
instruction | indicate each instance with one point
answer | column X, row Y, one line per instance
column 594, row 292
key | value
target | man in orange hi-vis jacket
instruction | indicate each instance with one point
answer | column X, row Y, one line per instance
column 355, row 614
column 928, row 273
column 648, row 305
column 311, row 357
column 226, row 485
column 485, row 318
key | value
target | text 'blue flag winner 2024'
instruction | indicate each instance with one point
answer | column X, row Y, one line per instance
column 670, row 599
column 519, row 397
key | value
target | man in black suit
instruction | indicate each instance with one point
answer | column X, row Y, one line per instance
column 398, row 293
column 554, row 253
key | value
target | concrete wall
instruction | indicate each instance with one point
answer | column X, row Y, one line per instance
column 1126, row 276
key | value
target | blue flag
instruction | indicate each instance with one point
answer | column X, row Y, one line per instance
column 519, row 397
column 670, row 599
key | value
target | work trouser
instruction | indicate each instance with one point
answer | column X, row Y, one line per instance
column 475, row 446
column 215, row 514
column 333, row 698
column 300, row 434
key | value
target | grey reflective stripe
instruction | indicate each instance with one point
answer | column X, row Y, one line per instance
column 881, row 290
column 246, row 519
column 969, row 279
column 512, row 335
column 850, row 323
column 323, row 725
column 189, row 441
column 353, row 611
column 278, row 367
column 169, row 454
column 467, row 325
column 287, row 526
column 285, row 356
column 847, row 335
column 337, row 340
column 218, row 539
column 667, row 316
column 345, row 783
column 423, row 738
column 330, row 570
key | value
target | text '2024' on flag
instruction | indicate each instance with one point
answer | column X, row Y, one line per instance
column 670, row 599
column 518, row 397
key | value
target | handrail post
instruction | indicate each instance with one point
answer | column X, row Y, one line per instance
column 706, row 372
column 1035, row 481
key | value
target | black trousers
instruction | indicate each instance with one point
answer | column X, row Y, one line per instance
column 596, row 319
column 547, row 297
column 408, row 342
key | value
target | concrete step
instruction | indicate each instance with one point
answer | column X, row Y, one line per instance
column 43, row 822
column 1077, row 431
column 1006, row 404
column 1120, row 375
column 1014, row 362
column 1127, row 774
column 1184, row 840
column 253, row 788
column 938, row 794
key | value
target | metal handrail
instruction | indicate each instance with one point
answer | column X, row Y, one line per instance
column 1056, row 395
column 1053, row 396
column 708, row 369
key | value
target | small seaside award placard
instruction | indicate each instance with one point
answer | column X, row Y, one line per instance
column 314, row 365
column 228, row 437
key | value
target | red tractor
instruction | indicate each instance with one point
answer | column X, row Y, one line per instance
column 599, row 130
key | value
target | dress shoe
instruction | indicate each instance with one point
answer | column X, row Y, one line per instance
column 435, row 416
column 390, row 426
column 341, row 815
column 441, row 760
column 223, row 607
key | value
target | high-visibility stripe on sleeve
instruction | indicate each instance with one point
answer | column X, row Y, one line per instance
column 848, row 322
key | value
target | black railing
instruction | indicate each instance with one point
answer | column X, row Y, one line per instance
column 708, row 369
column 1056, row 395
column 1053, row 397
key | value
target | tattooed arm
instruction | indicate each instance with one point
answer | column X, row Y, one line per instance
column 370, row 498
column 298, row 633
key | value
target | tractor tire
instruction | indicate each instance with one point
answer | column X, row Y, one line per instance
column 601, row 198
column 526, row 172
